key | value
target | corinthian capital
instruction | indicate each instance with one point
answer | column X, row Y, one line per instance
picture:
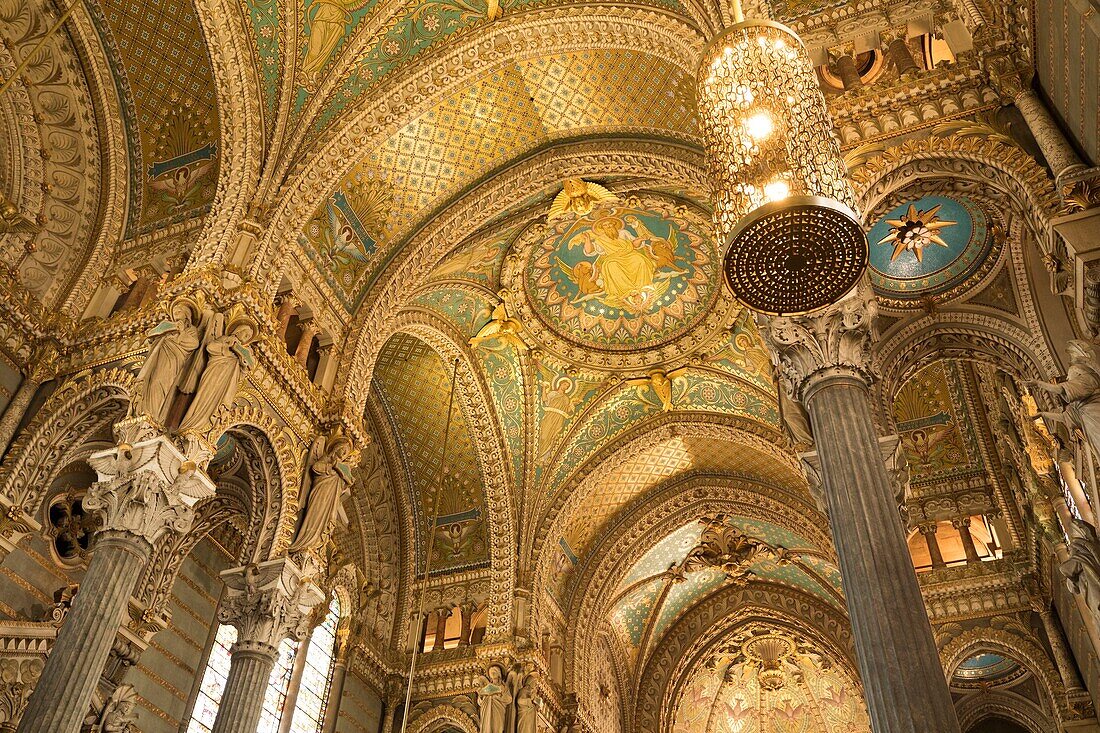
column 268, row 602
column 146, row 489
column 833, row 341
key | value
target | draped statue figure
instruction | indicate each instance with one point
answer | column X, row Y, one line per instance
column 174, row 343
column 326, row 482
column 1079, row 393
column 494, row 702
column 527, row 705
column 227, row 357
column 1082, row 568
column 117, row 715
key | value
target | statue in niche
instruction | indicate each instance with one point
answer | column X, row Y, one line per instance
column 228, row 356
column 174, row 343
column 494, row 702
column 118, row 714
column 1082, row 569
column 527, row 706
column 1079, row 393
column 326, row 483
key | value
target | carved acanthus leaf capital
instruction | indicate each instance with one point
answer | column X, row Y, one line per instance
column 268, row 602
column 146, row 489
column 829, row 342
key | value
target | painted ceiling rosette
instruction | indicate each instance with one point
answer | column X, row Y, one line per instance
column 627, row 283
column 930, row 247
column 768, row 679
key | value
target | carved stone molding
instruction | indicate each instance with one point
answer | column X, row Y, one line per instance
column 146, row 489
column 832, row 342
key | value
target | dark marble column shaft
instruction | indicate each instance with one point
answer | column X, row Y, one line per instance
column 62, row 695
column 903, row 683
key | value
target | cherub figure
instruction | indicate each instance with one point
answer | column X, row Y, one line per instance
column 502, row 326
column 578, row 197
column 660, row 383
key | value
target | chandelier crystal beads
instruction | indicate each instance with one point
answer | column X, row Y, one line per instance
column 783, row 206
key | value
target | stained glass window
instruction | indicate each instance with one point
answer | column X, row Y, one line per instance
column 309, row 709
column 213, row 682
column 316, row 676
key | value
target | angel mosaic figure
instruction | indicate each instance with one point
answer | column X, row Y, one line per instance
column 502, row 326
column 661, row 385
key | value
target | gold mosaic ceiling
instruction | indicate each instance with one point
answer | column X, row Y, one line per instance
column 505, row 114
column 163, row 64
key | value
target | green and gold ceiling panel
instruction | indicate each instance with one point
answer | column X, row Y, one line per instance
column 267, row 42
column 477, row 261
column 935, row 424
column 497, row 119
column 692, row 390
column 413, row 385
column 166, row 65
column 638, row 609
column 501, row 367
column 420, row 27
column 466, row 309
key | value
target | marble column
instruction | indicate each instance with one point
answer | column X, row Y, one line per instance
column 929, row 532
column 41, row 368
column 335, row 696
column 295, row 685
column 441, row 616
column 1060, row 155
column 305, row 343
column 962, row 524
column 467, row 611
column 902, row 57
column 826, row 357
column 286, row 305
column 848, row 73
column 266, row 603
column 1062, row 659
column 145, row 491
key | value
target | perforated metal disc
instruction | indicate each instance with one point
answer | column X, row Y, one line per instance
column 795, row 255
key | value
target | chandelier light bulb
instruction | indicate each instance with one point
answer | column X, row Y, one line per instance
column 759, row 126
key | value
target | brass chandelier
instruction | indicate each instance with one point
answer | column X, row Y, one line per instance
column 782, row 204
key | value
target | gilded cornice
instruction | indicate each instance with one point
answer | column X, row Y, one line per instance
column 974, row 591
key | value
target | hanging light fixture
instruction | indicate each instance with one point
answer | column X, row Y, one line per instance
column 783, row 206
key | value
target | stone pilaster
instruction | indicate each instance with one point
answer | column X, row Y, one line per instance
column 145, row 491
column 267, row 603
column 929, row 532
column 826, row 357
column 42, row 366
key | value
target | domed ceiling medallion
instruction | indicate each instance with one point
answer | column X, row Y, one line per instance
column 627, row 283
column 929, row 247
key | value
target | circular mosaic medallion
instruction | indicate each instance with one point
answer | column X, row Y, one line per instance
column 628, row 275
column 928, row 246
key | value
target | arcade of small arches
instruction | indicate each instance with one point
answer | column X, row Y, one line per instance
column 369, row 368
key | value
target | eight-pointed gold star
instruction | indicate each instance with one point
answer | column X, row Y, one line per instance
column 916, row 230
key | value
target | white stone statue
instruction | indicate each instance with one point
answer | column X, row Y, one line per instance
column 1079, row 392
column 174, row 343
column 118, row 714
column 527, row 706
column 494, row 702
column 326, row 482
column 227, row 358
column 1082, row 569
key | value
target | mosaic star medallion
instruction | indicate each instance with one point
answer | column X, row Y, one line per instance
column 929, row 246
